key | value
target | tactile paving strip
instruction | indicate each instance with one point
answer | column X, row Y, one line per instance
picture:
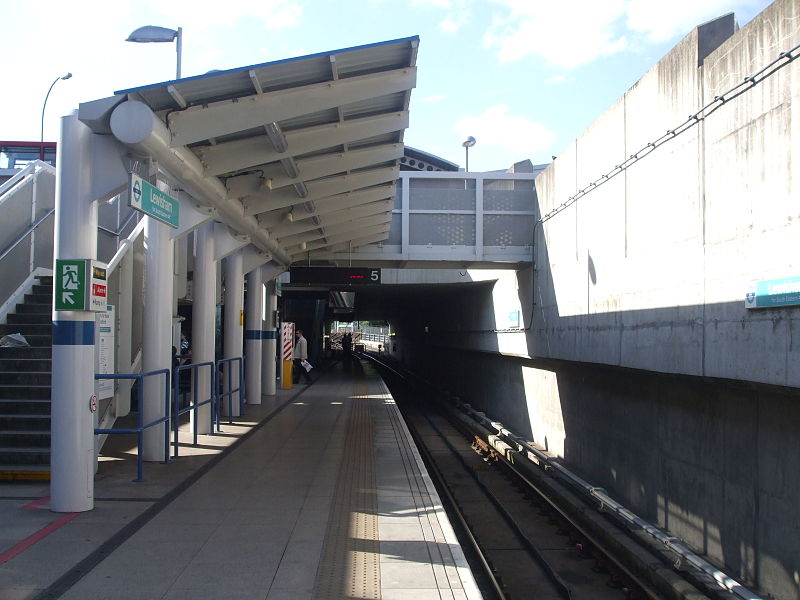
column 350, row 563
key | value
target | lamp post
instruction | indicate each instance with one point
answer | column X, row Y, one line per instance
column 44, row 105
column 151, row 33
column 468, row 143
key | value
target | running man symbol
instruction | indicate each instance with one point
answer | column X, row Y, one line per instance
column 69, row 281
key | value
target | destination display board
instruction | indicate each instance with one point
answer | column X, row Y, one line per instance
column 335, row 275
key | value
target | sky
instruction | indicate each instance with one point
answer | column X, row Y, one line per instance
column 524, row 77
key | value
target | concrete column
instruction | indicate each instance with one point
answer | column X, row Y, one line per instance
column 204, row 306
column 72, row 443
column 270, row 344
column 157, row 335
column 254, row 318
column 234, row 328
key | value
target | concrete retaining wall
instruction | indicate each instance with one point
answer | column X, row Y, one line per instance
column 650, row 270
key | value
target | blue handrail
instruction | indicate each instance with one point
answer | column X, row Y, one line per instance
column 229, row 379
column 194, row 405
column 139, row 430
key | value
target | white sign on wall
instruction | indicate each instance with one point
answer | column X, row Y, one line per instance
column 104, row 351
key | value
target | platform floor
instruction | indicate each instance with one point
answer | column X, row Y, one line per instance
column 318, row 492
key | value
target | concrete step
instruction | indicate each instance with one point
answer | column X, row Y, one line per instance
column 25, row 378
column 30, row 318
column 25, row 392
column 39, row 299
column 43, row 289
column 25, row 422
column 38, row 341
column 23, row 456
column 27, row 352
column 34, row 308
column 26, row 329
column 25, row 439
column 25, row 364
column 25, row 406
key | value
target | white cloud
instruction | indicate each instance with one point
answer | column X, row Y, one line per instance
column 450, row 24
column 496, row 127
column 556, row 79
column 444, row 4
column 457, row 14
column 571, row 33
column 565, row 34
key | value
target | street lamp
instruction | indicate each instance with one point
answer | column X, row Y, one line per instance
column 41, row 137
column 468, row 143
column 151, row 33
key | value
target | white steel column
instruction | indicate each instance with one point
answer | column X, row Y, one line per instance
column 254, row 317
column 233, row 328
column 124, row 333
column 270, row 335
column 157, row 338
column 72, row 444
column 204, row 307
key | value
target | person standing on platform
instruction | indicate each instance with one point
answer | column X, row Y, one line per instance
column 300, row 356
column 347, row 345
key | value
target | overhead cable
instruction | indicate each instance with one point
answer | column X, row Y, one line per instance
column 748, row 83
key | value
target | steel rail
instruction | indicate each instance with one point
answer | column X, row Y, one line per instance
column 563, row 589
column 481, row 420
column 442, row 488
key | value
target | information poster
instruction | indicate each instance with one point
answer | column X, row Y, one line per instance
column 104, row 351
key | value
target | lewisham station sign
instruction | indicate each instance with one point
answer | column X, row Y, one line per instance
column 774, row 293
column 147, row 198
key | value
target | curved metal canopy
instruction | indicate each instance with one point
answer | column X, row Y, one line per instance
column 307, row 146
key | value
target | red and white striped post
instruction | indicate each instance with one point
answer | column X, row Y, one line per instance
column 287, row 352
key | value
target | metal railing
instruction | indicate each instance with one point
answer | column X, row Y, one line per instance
column 194, row 405
column 141, row 426
column 27, row 232
column 229, row 380
column 375, row 337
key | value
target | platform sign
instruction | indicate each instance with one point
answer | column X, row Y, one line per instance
column 104, row 351
column 80, row 284
column 774, row 293
column 98, row 292
column 335, row 275
column 147, row 198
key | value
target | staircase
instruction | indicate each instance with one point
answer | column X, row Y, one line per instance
column 25, row 375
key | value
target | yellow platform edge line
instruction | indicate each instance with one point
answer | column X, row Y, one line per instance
column 24, row 475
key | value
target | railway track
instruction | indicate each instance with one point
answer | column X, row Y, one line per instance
column 523, row 543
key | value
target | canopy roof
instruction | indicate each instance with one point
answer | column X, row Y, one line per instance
column 309, row 146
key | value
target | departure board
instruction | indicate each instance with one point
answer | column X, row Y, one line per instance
column 335, row 275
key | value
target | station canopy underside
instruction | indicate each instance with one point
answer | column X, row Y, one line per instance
column 306, row 148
